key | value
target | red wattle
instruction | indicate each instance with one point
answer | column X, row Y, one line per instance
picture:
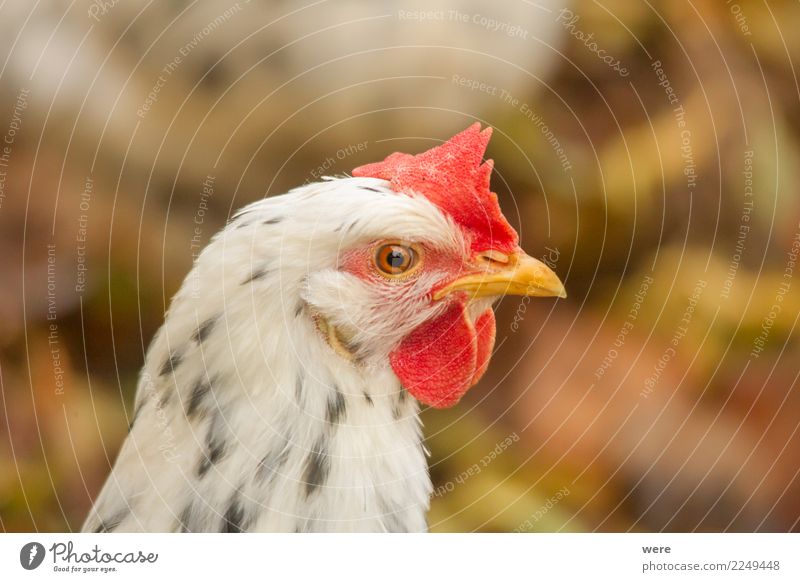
column 485, row 328
column 442, row 358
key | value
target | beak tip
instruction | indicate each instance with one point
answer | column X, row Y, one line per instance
column 562, row 291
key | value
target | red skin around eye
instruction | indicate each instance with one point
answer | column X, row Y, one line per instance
column 442, row 358
column 361, row 263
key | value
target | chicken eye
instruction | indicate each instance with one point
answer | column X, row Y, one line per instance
column 395, row 259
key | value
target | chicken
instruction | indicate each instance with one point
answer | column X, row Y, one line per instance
column 282, row 391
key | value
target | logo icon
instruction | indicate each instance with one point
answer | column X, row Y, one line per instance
column 31, row 555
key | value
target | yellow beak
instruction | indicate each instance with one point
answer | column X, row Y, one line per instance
column 516, row 274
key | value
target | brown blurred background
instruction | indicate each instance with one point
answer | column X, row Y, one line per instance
column 648, row 151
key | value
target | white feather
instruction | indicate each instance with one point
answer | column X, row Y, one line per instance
column 274, row 379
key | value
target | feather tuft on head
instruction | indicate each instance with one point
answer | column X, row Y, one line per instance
column 454, row 177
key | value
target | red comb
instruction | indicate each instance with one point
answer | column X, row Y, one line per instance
column 453, row 178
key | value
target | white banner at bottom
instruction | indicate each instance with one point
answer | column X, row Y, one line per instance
column 402, row 557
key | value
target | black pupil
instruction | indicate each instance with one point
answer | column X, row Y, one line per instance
column 396, row 259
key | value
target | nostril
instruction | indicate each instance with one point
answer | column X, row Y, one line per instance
column 493, row 258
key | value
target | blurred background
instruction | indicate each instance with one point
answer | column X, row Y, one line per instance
column 647, row 151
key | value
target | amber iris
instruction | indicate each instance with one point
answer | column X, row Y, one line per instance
column 395, row 259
